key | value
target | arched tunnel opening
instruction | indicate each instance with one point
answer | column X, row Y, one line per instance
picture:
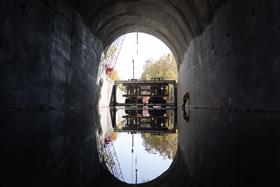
column 141, row 140
column 228, row 69
column 150, row 153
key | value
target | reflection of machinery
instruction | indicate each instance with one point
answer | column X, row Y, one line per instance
column 156, row 121
column 152, row 93
column 158, row 124
column 153, row 121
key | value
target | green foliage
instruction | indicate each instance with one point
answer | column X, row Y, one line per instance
column 165, row 144
column 110, row 51
column 165, row 67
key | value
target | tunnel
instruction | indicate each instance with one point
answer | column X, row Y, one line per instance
column 227, row 52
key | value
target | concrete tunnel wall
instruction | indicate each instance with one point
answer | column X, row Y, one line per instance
column 235, row 61
column 50, row 50
column 49, row 58
column 227, row 51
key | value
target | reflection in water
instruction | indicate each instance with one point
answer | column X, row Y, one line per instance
column 141, row 144
column 49, row 148
column 58, row 148
column 186, row 114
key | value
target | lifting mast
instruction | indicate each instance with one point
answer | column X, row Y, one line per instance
column 110, row 63
column 132, row 135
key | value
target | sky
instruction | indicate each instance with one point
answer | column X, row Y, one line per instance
column 149, row 165
column 148, row 47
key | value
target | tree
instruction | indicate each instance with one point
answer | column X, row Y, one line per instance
column 114, row 75
column 165, row 144
column 164, row 67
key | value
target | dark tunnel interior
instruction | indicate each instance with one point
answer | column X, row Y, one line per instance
column 227, row 54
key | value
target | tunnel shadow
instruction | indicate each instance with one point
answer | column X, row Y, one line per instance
column 49, row 148
column 214, row 149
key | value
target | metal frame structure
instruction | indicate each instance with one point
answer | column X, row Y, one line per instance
column 112, row 161
column 157, row 122
column 156, row 89
column 110, row 63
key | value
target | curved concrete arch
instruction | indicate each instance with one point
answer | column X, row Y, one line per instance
column 178, row 20
column 169, row 41
column 141, row 24
column 227, row 54
column 139, row 20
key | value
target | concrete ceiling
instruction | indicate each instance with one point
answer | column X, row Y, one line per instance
column 175, row 22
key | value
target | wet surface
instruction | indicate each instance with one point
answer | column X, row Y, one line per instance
column 62, row 148
column 140, row 144
column 55, row 148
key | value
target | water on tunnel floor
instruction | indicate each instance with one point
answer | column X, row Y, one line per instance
column 62, row 148
column 137, row 145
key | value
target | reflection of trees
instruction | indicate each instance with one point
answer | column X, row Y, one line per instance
column 165, row 144
column 114, row 136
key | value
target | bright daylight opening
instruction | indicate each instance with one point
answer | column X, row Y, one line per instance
column 144, row 139
column 142, row 50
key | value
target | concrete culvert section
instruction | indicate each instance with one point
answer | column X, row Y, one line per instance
column 228, row 71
